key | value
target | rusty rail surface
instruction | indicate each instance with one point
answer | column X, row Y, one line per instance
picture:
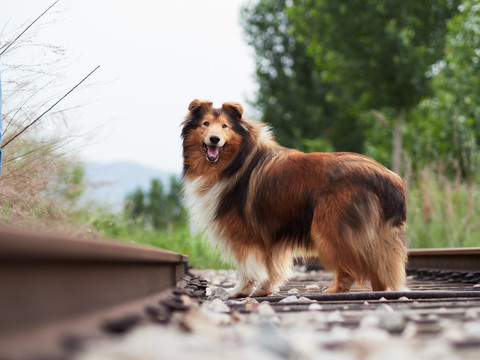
column 454, row 259
column 49, row 284
column 460, row 259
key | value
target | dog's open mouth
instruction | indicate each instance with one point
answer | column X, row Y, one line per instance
column 212, row 152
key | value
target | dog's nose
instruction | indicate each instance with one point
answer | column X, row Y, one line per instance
column 214, row 139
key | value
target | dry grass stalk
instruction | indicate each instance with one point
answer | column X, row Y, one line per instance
column 40, row 182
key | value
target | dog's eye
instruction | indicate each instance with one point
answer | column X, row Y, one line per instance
column 224, row 126
column 206, row 123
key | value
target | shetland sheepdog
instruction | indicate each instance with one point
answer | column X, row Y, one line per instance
column 261, row 202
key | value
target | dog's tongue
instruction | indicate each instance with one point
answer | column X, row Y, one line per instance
column 213, row 151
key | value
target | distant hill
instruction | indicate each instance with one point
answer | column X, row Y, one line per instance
column 108, row 184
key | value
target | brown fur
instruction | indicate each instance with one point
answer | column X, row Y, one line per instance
column 260, row 202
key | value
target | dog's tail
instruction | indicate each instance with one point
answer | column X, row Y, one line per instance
column 389, row 188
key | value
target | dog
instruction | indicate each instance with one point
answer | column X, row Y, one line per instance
column 261, row 202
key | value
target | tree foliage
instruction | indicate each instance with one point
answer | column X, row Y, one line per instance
column 157, row 208
column 358, row 69
column 293, row 96
column 454, row 111
column 382, row 50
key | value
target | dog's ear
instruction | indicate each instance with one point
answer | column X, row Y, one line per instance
column 235, row 110
column 197, row 106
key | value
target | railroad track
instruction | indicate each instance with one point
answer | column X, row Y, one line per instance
column 50, row 285
column 58, row 293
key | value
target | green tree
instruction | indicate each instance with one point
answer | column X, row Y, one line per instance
column 157, row 208
column 380, row 52
column 176, row 211
column 293, row 96
column 135, row 204
column 455, row 107
column 157, row 205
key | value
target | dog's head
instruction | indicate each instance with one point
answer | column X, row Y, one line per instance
column 215, row 133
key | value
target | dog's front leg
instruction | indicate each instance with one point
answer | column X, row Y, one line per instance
column 243, row 288
column 251, row 269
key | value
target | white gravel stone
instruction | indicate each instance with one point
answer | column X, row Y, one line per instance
column 338, row 335
column 410, row 331
column 265, row 310
column 453, row 333
column 385, row 308
column 370, row 320
column 370, row 335
column 472, row 313
column 393, row 322
column 335, row 316
column 272, row 339
column 289, row 299
column 202, row 321
column 315, row 306
column 216, row 305
column 472, row 329
column 219, row 292
column 304, row 299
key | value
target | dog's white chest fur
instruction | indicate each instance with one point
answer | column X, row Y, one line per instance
column 202, row 210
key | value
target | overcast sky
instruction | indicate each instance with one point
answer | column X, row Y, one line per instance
column 155, row 57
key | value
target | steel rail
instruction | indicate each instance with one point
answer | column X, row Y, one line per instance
column 383, row 295
column 460, row 259
column 455, row 259
column 47, row 280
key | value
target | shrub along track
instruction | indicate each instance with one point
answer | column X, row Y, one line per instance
column 57, row 293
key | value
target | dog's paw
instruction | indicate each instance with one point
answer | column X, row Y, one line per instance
column 260, row 293
column 233, row 294
column 239, row 292
column 243, row 289
column 265, row 290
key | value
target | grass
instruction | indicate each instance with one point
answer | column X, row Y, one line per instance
column 443, row 212
column 178, row 239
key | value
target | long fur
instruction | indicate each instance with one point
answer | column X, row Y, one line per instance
column 260, row 202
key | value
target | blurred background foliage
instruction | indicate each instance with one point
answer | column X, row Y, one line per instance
column 386, row 78
column 395, row 80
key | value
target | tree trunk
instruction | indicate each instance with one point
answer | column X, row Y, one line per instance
column 397, row 141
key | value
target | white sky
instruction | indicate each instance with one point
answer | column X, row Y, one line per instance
column 155, row 57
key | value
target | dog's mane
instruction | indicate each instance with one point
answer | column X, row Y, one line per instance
column 255, row 136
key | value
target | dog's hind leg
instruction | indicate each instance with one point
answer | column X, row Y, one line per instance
column 336, row 258
column 388, row 271
column 377, row 284
column 279, row 267
column 342, row 283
